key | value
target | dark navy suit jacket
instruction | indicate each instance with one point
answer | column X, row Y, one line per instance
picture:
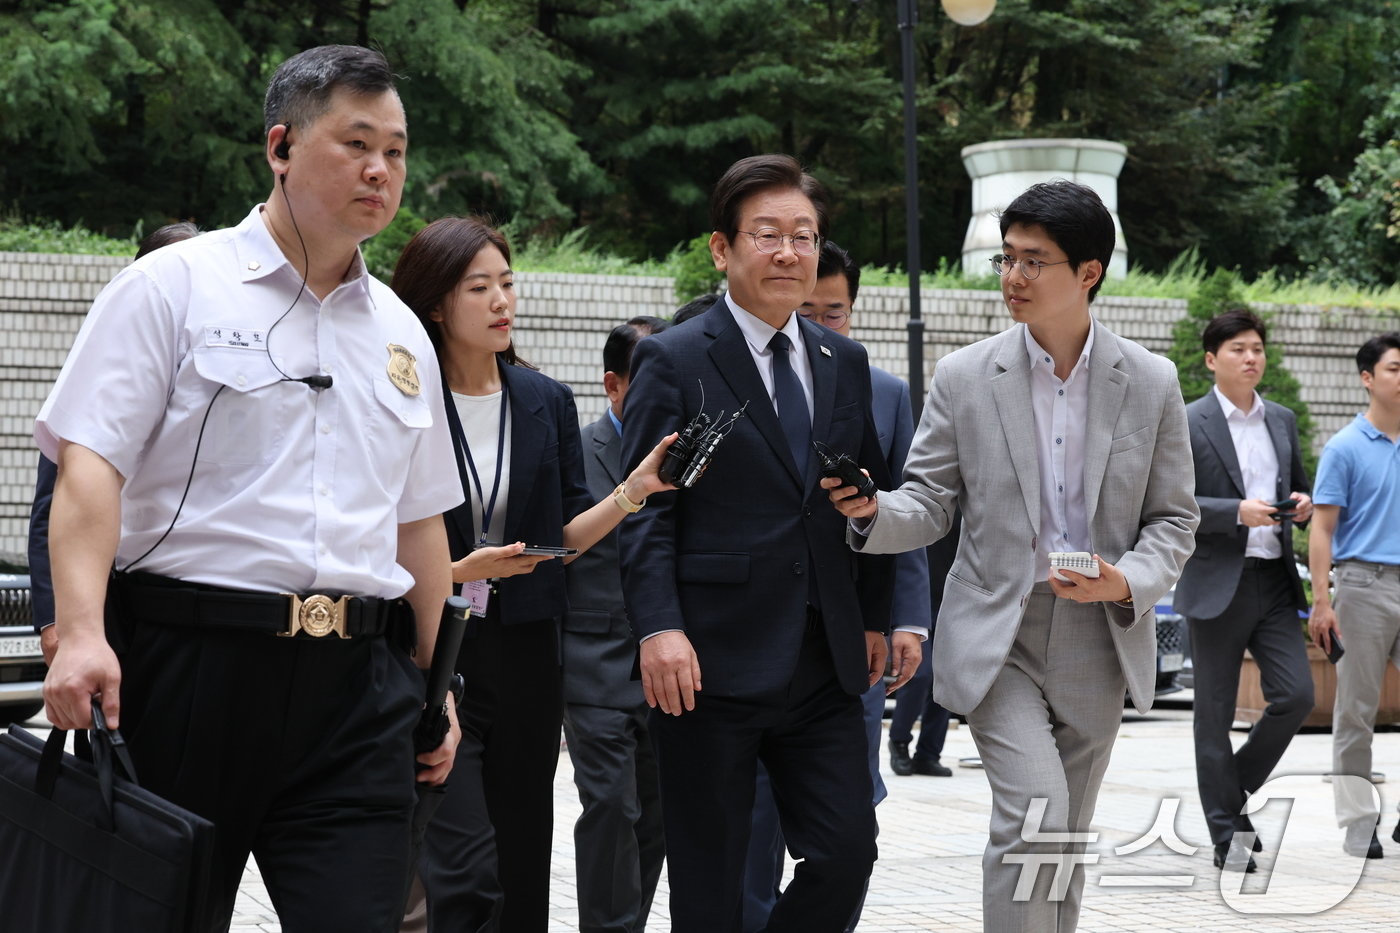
column 547, row 490
column 735, row 559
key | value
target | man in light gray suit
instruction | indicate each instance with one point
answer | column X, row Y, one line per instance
column 618, row 840
column 1240, row 589
column 1056, row 435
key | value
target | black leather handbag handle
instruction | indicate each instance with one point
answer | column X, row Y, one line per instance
column 105, row 747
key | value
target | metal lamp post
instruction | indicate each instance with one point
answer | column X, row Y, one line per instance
column 965, row 13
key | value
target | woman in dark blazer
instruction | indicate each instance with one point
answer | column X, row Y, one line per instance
column 487, row 853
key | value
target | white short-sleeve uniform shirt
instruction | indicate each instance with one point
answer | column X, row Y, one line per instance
column 294, row 489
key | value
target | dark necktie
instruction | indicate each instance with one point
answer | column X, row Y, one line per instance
column 790, row 401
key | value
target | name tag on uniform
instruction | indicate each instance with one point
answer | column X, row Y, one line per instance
column 479, row 594
column 239, row 338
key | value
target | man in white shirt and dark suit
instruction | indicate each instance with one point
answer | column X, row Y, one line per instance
column 1240, row 589
column 759, row 629
column 1056, row 435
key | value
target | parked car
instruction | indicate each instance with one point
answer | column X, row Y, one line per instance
column 1171, row 646
column 21, row 660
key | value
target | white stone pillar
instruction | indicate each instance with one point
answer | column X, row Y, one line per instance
column 1002, row 169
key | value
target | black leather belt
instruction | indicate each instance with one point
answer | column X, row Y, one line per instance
column 1256, row 563
column 161, row 600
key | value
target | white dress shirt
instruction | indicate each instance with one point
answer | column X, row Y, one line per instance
column 294, row 489
column 1254, row 449
column 1061, row 421
column 757, row 333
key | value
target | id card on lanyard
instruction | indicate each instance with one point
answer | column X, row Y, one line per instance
column 478, row 592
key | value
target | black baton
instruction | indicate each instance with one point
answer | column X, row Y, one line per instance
column 433, row 724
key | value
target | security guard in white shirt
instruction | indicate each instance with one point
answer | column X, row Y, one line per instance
column 253, row 462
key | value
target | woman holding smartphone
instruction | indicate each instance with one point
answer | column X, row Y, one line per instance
column 515, row 430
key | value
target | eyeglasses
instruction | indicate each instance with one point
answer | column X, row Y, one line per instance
column 769, row 240
column 832, row 319
column 1030, row 268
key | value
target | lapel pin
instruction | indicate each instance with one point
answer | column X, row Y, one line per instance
column 825, row 351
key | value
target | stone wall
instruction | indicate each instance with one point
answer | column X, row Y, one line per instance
column 564, row 319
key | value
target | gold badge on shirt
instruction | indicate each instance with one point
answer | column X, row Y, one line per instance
column 402, row 370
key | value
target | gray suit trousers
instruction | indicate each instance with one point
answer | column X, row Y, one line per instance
column 619, row 846
column 1045, row 731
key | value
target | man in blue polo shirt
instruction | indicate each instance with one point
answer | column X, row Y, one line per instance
column 1357, row 501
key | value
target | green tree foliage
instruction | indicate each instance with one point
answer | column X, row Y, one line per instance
column 678, row 89
column 1148, row 73
column 381, row 252
column 695, row 271
column 489, row 116
column 1219, row 293
column 121, row 111
column 113, row 112
column 1358, row 239
column 1245, row 120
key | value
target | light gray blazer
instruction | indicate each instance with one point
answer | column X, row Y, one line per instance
column 975, row 448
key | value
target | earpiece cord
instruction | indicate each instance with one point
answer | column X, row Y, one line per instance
column 188, row 481
column 305, row 268
column 267, row 348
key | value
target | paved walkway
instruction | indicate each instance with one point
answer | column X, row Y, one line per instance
column 933, row 831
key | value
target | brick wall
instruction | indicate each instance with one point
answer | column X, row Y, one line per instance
column 564, row 319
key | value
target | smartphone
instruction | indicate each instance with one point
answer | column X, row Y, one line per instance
column 1284, row 509
column 1337, row 651
column 542, row 550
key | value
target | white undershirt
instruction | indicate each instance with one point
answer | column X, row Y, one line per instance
column 1258, row 460
column 1061, row 422
column 481, row 426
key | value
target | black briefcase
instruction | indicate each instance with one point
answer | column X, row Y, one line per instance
column 86, row 849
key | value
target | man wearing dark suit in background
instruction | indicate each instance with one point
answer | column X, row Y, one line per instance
column 831, row 304
column 742, row 576
column 1240, row 589
column 618, row 843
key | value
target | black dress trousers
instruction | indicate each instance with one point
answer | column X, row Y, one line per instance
column 487, row 852
column 811, row 738
column 299, row 750
column 1262, row 617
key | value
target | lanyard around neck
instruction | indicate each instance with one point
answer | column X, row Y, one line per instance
column 468, row 467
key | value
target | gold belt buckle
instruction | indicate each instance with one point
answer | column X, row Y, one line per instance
column 316, row 615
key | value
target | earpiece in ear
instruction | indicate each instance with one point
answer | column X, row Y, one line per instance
column 284, row 148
